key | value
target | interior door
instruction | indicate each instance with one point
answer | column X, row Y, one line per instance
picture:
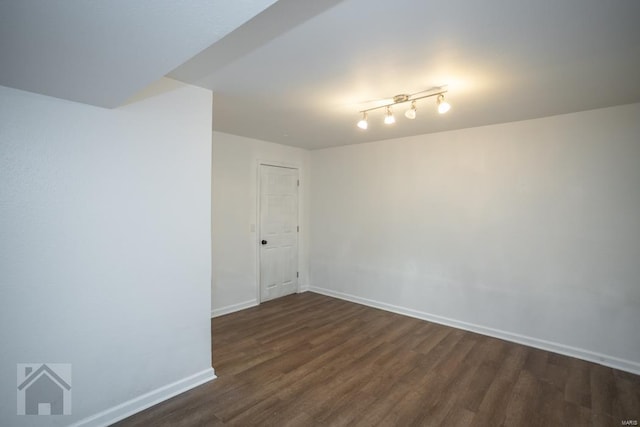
column 278, row 237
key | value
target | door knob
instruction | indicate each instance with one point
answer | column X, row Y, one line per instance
column 264, row 242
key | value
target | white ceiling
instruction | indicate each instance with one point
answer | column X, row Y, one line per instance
column 102, row 52
column 299, row 72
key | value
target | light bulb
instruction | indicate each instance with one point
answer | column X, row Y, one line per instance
column 411, row 112
column 362, row 124
column 443, row 106
column 389, row 119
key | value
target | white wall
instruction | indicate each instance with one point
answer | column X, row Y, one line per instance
column 234, row 212
column 105, row 247
column 526, row 230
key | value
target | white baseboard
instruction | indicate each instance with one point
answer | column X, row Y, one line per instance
column 303, row 288
column 140, row 403
column 233, row 308
column 590, row 356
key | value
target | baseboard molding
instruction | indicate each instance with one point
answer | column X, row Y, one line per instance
column 590, row 356
column 233, row 308
column 303, row 288
column 140, row 403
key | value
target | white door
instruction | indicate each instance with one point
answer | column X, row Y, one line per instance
column 278, row 237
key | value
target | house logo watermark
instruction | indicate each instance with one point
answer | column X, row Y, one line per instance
column 44, row 389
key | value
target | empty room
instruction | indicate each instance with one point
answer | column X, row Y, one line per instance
column 319, row 213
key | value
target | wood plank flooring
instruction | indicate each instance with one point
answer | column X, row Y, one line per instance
column 312, row 360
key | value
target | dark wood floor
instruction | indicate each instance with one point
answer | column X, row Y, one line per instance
column 311, row 360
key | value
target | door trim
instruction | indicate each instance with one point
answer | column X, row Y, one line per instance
column 257, row 239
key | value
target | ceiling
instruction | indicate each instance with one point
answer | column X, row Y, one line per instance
column 102, row 52
column 298, row 72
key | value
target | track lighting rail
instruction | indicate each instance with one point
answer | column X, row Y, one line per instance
column 403, row 98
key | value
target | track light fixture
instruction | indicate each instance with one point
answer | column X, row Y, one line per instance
column 362, row 124
column 411, row 112
column 442, row 105
column 389, row 119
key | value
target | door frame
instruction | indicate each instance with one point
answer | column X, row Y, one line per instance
column 257, row 239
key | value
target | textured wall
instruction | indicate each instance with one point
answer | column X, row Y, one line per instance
column 105, row 243
column 531, row 228
column 235, row 210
